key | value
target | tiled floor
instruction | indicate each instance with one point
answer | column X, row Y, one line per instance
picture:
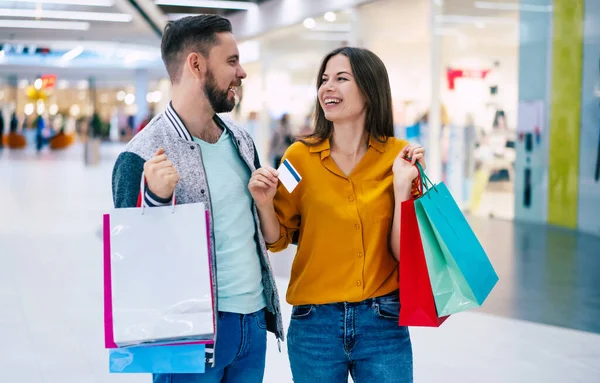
column 51, row 291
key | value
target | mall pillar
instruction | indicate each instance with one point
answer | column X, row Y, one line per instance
column 434, row 139
column 565, row 113
column 141, row 91
column 589, row 157
column 535, row 64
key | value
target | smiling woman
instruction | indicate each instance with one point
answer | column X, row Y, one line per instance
column 345, row 214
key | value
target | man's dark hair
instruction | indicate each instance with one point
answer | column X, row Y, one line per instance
column 190, row 34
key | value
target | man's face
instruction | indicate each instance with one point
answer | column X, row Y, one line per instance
column 224, row 74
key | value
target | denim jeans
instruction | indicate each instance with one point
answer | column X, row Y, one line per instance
column 239, row 353
column 328, row 342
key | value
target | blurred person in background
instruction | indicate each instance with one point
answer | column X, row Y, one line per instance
column 43, row 132
column 144, row 123
column 281, row 140
column 253, row 125
column 345, row 215
column 306, row 129
column 192, row 152
column 1, row 129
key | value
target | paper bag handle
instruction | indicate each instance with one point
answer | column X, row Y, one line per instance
column 425, row 181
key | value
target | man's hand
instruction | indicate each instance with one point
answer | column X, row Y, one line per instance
column 263, row 185
column 161, row 175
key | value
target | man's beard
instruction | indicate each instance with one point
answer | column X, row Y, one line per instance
column 219, row 99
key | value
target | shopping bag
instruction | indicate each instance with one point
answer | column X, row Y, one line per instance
column 179, row 359
column 417, row 304
column 157, row 276
column 451, row 291
column 460, row 271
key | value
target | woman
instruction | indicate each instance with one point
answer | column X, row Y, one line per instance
column 346, row 212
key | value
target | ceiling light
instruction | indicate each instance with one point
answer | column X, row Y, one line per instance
column 241, row 5
column 310, row 23
column 39, row 24
column 53, row 110
column 29, row 108
column 330, row 16
column 66, row 15
column 74, row 110
column 70, row 55
column 129, row 99
column 89, row 3
column 154, row 97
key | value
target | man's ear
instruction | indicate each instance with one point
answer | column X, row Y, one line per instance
column 197, row 65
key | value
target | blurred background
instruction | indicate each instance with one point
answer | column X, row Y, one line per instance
column 504, row 94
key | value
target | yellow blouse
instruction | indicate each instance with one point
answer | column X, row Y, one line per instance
column 344, row 225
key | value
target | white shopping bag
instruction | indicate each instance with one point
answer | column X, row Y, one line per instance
column 158, row 285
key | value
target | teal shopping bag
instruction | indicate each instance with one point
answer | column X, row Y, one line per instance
column 460, row 271
column 451, row 292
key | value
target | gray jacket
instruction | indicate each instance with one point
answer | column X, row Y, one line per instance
column 167, row 131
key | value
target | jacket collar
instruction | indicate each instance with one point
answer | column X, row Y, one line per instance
column 180, row 128
column 176, row 123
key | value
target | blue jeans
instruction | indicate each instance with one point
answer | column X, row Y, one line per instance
column 328, row 342
column 239, row 353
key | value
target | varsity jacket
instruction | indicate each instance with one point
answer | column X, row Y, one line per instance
column 167, row 131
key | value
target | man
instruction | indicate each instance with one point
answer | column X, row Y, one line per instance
column 191, row 154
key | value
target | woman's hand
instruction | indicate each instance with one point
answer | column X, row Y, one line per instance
column 263, row 185
column 404, row 167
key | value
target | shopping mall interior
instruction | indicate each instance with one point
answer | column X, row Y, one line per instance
column 503, row 94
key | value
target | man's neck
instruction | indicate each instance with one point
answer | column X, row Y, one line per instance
column 197, row 115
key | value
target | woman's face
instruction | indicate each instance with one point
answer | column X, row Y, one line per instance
column 338, row 94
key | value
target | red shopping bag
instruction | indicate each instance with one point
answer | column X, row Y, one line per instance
column 417, row 305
